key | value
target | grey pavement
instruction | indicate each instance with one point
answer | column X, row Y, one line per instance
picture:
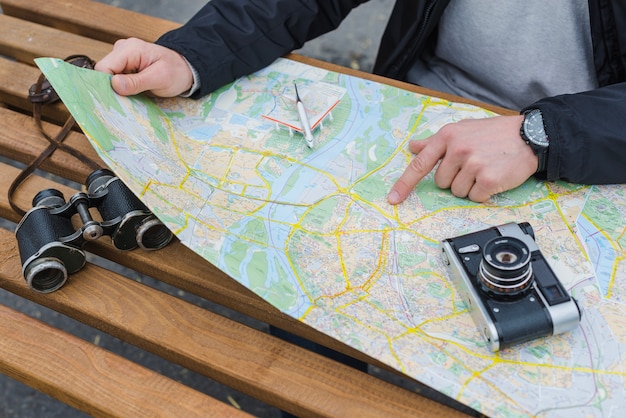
column 354, row 45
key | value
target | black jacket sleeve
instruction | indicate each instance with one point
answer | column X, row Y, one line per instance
column 587, row 133
column 228, row 39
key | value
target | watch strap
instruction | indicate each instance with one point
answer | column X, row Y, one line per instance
column 540, row 151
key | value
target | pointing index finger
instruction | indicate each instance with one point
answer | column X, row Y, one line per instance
column 429, row 152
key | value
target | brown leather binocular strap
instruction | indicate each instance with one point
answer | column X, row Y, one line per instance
column 42, row 93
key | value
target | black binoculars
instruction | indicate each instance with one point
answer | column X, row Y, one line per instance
column 51, row 247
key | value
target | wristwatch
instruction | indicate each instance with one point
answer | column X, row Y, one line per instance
column 533, row 132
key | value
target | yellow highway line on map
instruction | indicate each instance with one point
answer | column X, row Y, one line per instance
column 170, row 128
column 478, row 374
column 554, row 198
column 337, row 236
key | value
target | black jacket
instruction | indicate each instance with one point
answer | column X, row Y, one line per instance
column 227, row 39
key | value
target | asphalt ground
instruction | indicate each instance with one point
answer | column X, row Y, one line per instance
column 353, row 45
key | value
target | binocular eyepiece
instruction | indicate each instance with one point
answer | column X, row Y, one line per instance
column 51, row 247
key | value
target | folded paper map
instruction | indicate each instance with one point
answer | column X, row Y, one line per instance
column 311, row 232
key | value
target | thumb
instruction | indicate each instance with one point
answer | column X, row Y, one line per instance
column 127, row 84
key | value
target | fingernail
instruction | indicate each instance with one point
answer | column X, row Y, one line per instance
column 122, row 84
column 393, row 197
column 118, row 82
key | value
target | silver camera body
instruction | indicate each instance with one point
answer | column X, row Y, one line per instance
column 510, row 290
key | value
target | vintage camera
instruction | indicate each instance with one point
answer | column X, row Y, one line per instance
column 51, row 247
column 511, row 291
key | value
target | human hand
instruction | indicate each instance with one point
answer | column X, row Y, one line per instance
column 479, row 158
column 139, row 66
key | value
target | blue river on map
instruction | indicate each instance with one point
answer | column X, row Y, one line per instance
column 358, row 125
column 601, row 253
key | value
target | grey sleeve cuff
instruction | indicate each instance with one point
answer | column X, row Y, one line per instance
column 196, row 81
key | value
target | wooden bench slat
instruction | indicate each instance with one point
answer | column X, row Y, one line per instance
column 15, row 80
column 21, row 141
column 25, row 41
column 87, row 377
column 245, row 359
column 88, row 18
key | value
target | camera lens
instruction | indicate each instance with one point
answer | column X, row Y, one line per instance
column 505, row 270
column 46, row 275
column 152, row 234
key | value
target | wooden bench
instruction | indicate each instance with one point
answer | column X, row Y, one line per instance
column 100, row 382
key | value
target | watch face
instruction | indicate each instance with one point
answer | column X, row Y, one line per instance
column 534, row 129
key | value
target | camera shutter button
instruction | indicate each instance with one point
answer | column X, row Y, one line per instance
column 473, row 248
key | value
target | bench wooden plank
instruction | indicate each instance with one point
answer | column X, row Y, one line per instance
column 89, row 18
column 15, row 80
column 22, row 141
column 245, row 359
column 24, row 41
column 87, row 377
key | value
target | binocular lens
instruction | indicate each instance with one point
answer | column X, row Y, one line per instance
column 49, row 197
column 46, row 275
column 152, row 234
